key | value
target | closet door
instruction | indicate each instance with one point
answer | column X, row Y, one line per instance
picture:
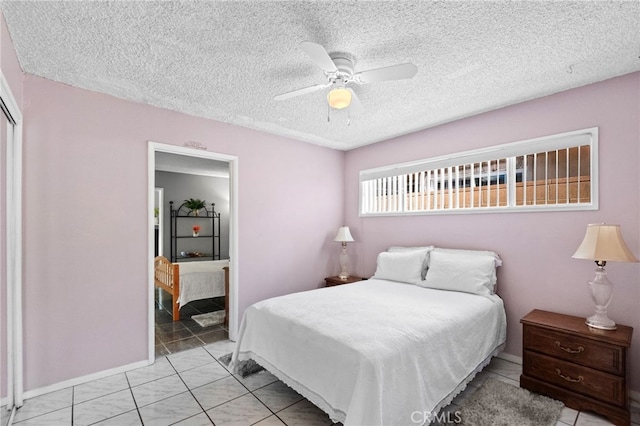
column 10, row 253
column 4, row 302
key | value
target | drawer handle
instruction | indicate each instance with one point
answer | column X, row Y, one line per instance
column 568, row 378
column 569, row 350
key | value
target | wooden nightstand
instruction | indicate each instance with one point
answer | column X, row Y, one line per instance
column 583, row 367
column 331, row 281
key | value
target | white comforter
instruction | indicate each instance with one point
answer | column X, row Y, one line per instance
column 376, row 352
column 201, row 280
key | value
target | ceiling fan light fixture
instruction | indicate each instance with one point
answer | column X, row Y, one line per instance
column 339, row 98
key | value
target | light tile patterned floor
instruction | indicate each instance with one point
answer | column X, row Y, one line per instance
column 192, row 388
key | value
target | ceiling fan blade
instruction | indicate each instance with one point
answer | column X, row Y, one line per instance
column 355, row 107
column 298, row 92
column 319, row 56
column 393, row 72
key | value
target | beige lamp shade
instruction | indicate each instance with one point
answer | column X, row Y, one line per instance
column 604, row 242
column 344, row 235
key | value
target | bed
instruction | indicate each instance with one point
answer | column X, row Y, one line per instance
column 190, row 281
column 391, row 350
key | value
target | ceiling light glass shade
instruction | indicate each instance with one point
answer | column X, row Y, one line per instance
column 604, row 243
column 339, row 98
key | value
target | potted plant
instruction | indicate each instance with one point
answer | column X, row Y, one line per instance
column 194, row 204
column 196, row 230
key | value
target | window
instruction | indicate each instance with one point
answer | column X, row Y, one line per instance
column 555, row 172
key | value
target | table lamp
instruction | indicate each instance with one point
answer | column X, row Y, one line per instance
column 603, row 243
column 344, row 237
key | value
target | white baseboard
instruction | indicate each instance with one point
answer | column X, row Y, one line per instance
column 511, row 358
column 84, row 379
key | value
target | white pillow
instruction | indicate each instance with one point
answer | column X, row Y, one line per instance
column 426, row 249
column 403, row 249
column 404, row 267
column 496, row 259
column 469, row 273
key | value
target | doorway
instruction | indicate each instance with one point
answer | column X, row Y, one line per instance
column 189, row 156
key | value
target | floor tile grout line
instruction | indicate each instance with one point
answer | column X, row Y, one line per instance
column 163, row 398
column 252, row 392
column 46, row 413
column 190, row 417
column 134, row 399
column 193, row 334
column 194, row 397
column 103, row 395
column 240, row 396
column 249, row 392
column 113, row 417
column 197, row 387
column 183, row 338
column 129, row 388
column 151, row 381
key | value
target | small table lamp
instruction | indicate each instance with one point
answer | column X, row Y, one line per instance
column 344, row 237
column 603, row 243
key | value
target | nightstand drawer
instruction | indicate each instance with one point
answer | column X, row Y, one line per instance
column 576, row 378
column 587, row 352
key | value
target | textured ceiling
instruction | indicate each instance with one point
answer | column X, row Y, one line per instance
column 226, row 60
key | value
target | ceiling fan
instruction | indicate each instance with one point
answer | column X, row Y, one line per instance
column 338, row 68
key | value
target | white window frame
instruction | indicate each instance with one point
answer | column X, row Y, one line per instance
column 398, row 173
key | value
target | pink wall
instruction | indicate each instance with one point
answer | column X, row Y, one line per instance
column 538, row 270
column 86, row 222
column 85, row 219
column 12, row 73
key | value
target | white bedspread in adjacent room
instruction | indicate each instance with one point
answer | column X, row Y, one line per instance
column 376, row 352
column 201, row 280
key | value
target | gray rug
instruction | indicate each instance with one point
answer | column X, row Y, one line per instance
column 245, row 368
column 499, row 403
column 209, row 319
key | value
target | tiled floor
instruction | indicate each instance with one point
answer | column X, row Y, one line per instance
column 176, row 336
column 192, row 388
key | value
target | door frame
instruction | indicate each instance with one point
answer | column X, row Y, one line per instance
column 159, row 192
column 234, row 262
column 9, row 106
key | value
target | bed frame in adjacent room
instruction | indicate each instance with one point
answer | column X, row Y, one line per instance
column 167, row 277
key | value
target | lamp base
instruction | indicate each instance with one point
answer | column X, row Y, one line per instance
column 601, row 292
column 344, row 261
column 602, row 322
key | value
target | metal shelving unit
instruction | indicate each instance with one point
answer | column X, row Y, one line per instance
column 185, row 246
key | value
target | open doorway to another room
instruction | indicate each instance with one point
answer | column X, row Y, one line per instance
column 192, row 242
